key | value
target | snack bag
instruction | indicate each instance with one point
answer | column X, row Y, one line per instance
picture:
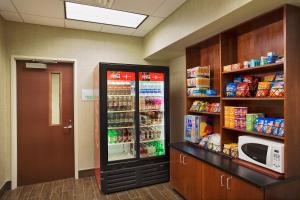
column 238, row 79
column 243, row 90
column 263, row 89
column 230, row 89
column 276, row 127
column 281, row 128
column 277, row 89
column 279, row 76
column 259, row 124
column 268, row 125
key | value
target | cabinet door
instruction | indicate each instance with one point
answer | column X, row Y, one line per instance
column 192, row 174
column 213, row 183
column 176, row 170
column 238, row 189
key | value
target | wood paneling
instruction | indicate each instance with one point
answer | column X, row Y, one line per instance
column 292, row 91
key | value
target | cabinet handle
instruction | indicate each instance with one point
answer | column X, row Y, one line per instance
column 183, row 160
column 228, row 179
column 222, row 177
column 180, row 158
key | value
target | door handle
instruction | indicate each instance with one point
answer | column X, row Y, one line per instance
column 227, row 183
column 184, row 163
column 69, row 126
column 222, row 177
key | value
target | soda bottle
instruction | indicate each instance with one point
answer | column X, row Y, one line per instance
column 109, row 137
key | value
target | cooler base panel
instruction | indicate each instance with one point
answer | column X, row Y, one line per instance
column 134, row 177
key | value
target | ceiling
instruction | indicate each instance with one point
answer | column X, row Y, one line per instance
column 51, row 13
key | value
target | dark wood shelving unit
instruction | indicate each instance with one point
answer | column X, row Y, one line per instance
column 254, row 133
column 258, row 69
column 205, row 113
column 203, row 97
column 277, row 31
column 253, row 98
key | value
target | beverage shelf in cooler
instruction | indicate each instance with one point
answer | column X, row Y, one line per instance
column 150, row 125
column 145, row 141
column 154, row 110
column 151, row 95
column 119, row 111
column 121, row 127
column 120, row 156
column 120, row 143
column 121, row 95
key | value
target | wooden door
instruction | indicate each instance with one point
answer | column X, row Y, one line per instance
column 176, row 176
column 213, row 183
column 238, row 189
column 45, row 123
column 191, row 179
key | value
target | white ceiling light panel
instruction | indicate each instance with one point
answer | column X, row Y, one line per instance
column 94, row 14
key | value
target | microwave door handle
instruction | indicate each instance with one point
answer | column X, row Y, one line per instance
column 269, row 158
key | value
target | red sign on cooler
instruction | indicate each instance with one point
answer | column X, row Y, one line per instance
column 120, row 76
column 151, row 76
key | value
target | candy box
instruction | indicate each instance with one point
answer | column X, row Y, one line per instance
column 199, row 71
column 269, row 78
column 277, row 89
column 243, row 90
column 227, row 68
column 263, row 89
column 236, row 66
column 231, row 89
column 246, row 64
column 259, row 124
column 271, row 57
column 268, row 125
column 254, row 63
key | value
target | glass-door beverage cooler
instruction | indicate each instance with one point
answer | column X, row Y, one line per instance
column 131, row 126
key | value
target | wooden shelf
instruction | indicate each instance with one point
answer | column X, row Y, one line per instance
column 253, row 98
column 205, row 113
column 254, row 133
column 120, row 111
column 203, row 97
column 258, row 69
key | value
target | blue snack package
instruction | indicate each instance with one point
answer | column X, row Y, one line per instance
column 276, row 127
column 268, row 125
column 211, row 92
column 230, row 89
column 281, row 129
column 259, row 123
column 238, row 79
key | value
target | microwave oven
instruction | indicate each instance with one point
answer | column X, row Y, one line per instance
column 262, row 152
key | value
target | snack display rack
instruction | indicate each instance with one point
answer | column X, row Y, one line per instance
column 271, row 32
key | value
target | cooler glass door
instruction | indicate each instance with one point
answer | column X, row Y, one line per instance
column 151, row 114
column 121, row 115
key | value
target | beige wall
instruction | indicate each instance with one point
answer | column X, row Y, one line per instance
column 4, row 110
column 88, row 48
column 190, row 17
column 177, row 97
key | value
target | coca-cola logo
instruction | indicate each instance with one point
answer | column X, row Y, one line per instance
column 146, row 76
column 115, row 75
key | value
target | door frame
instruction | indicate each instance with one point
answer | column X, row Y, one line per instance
column 14, row 131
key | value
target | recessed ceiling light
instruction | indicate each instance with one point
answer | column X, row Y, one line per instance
column 99, row 15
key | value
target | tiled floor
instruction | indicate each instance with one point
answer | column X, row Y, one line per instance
column 86, row 189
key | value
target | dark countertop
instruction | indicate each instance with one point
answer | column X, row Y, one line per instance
column 226, row 164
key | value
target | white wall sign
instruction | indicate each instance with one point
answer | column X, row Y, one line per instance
column 87, row 95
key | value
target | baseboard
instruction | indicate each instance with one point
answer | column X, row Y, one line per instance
column 5, row 187
column 86, row 173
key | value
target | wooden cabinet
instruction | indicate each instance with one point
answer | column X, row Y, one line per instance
column 218, row 185
column 238, row 189
column 196, row 180
column 213, row 183
column 185, row 175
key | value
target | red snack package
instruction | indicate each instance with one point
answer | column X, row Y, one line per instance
column 243, row 90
